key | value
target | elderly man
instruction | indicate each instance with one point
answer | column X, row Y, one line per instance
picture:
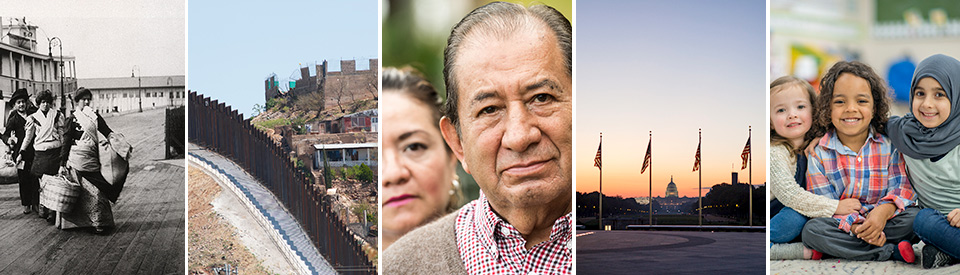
column 508, row 119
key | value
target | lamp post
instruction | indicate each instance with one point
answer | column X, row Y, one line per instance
column 139, row 98
column 63, row 102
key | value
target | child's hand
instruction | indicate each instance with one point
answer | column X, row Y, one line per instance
column 871, row 228
column 810, row 147
column 848, row 206
column 879, row 241
column 954, row 218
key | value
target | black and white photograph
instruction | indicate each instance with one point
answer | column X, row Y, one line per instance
column 91, row 160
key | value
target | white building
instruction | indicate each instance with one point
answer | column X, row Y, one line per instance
column 346, row 154
column 130, row 94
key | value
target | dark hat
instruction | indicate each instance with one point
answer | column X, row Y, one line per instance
column 20, row 93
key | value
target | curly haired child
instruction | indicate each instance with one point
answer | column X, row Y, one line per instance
column 855, row 159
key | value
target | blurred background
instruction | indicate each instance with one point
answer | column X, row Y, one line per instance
column 892, row 36
column 415, row 32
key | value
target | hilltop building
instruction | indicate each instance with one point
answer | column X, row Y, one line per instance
column 348, row 84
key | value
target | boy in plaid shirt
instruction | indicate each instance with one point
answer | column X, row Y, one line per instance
column 855, row 159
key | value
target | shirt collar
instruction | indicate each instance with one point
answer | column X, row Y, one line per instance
column 493, row 227
column 832, row 141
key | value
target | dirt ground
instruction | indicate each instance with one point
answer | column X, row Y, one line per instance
column 213, row 242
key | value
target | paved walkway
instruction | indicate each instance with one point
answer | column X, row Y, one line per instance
column 149, row 237
column 269, row 206
column 673, row 252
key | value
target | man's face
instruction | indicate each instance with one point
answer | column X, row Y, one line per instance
column 515, row 117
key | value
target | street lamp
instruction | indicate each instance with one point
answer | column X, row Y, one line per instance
column 139, row 99
column 63, row 102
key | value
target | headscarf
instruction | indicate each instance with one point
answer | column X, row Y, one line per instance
column 912, row 138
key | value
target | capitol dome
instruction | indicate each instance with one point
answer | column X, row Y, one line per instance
column 672, row 189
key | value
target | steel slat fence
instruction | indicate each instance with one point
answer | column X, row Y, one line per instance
column 219, row 128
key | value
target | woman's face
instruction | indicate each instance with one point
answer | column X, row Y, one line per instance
column 930, row 103
column 20, row 105
column 418, row 169
column 44, row 106
column 85, row 101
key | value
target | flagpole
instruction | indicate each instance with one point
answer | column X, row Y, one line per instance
column 700, row 179
column 601, row 182
column 650, row 201
column 749, row 134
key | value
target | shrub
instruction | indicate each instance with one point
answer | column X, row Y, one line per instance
column 363, row 173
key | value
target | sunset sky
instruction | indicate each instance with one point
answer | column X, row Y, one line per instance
column 671, row 68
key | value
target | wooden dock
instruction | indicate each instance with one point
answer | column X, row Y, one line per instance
column 148, row 239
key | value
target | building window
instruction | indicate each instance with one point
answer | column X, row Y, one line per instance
column 124, row 95
column 352, row 154
column 334, row 155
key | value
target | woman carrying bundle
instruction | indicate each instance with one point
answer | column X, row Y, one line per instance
column 44, row 132
column 93, row 207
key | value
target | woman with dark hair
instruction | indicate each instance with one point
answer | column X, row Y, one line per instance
column 83, row 161
column 44, row 132
column 23, row 154
column 419, row 170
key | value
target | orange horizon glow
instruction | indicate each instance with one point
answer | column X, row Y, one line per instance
column 623, row 158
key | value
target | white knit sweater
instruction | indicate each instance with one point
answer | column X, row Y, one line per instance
column 783, row 186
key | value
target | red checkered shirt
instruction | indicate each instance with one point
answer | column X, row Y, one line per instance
column 875, row 175
column 490, row 245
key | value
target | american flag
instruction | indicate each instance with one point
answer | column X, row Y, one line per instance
column 745, row 154
column 596, row 160
column 696, row 163
column 646, row 159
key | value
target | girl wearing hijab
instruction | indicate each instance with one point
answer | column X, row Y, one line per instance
column 929, row 138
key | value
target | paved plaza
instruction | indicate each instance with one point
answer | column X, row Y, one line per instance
column 670, row 252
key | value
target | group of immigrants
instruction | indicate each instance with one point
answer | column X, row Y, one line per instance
column 70, row 166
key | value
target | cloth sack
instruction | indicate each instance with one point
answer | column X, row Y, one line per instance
column 115, row 160
column 8, row 170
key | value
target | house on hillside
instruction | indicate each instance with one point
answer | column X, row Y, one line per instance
column 345, row 154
